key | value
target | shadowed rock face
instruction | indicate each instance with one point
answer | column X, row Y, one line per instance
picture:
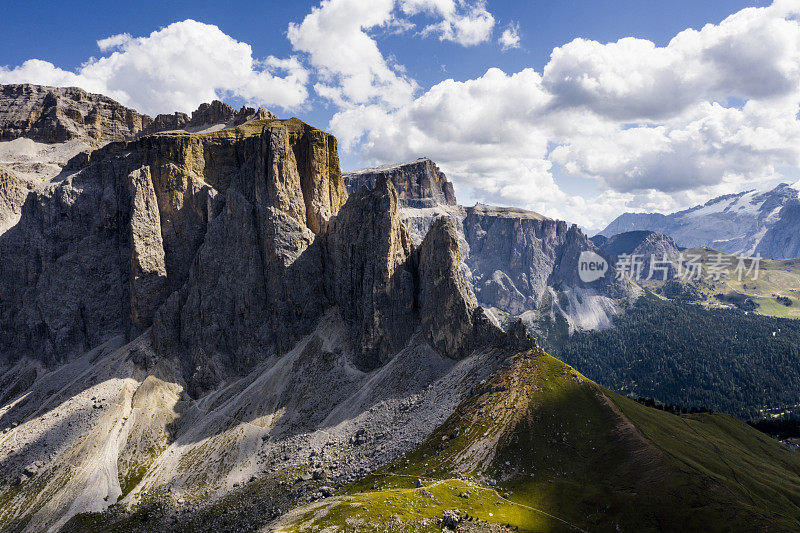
column 644, row 247
column 451, row 318
column 96, row 253
column 370, row 272
column 388, row 288
column 13, row 192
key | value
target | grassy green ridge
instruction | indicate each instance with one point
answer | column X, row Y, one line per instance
column 570, row 455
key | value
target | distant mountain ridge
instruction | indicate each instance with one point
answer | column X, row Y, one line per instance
column 43, row 128
column 747, row 223
column 652, row 255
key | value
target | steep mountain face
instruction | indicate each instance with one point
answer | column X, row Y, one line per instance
column 208, row 117
column 55, row 114
column 45, row 129
column 146, row 220
column 747, row 223
column 516, row 261
column 13, row 191
column 418, row 183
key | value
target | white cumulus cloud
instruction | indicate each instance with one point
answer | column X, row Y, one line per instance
column 339, row 41
column 463, row 22
column 510, row 37
column 655, row 128
column 350, row 67
column 175, row 68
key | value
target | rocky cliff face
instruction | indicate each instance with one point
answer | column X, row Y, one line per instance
column 94, row 254
column 55, row 114
column 418, row 183
column 652, row 255
column 231, row 245
column 782, row 239
column 214, row 116
column 388, row 288
column 13, row 191
column 511, row 256
column 60, row 114
column 741, row 224
column 516, row 261
column 44, row 130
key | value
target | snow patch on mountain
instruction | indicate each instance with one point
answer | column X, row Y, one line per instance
column 747, row 223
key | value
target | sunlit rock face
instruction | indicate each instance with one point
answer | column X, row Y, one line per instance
column 96, row 252
column 59, row 114
column 418, row 183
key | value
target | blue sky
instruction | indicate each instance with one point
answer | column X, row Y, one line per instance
column 414, row 62
column 67, row 32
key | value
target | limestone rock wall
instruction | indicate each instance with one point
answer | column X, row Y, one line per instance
column 229, row 245
column 388, row 289
column 510, row 257
column 57, row 114
column 418, row 183
column 207, row 116
column 96, row 254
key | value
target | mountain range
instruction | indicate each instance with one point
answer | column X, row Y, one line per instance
column 201, row 329
column 748, row 223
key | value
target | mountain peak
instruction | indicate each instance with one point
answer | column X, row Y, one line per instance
column 743, row 223
column 418, row 183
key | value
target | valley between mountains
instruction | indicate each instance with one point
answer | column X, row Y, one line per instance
column 206, row 326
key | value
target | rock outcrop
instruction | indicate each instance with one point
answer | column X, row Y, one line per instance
column 418, row 183
column 58, row 114
column 13, row 192
column 388, row 288
column 450, row 316
column 370, row 272
column 651, row 255
column 214, row 116
column 95, row 254
column 46, row 130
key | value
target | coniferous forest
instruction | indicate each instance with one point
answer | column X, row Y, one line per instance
column 683, row 354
